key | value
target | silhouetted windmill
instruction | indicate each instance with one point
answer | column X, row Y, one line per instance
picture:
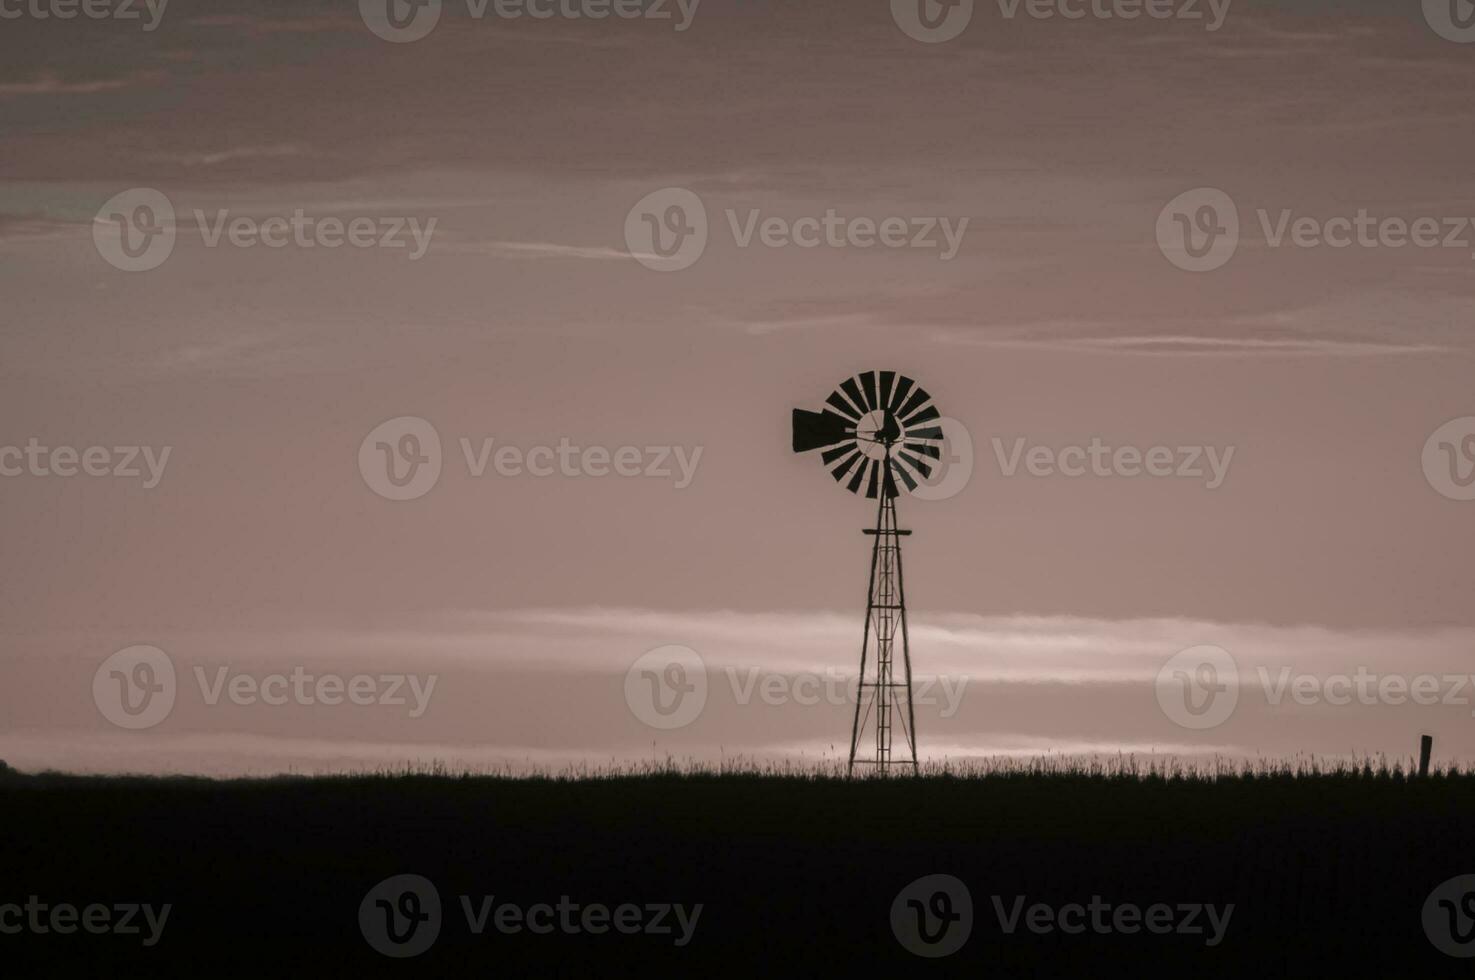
column 878, row 427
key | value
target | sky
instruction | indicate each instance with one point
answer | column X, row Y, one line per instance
column 505, row 284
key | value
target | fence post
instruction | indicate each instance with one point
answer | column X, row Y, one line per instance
column 1426, row 745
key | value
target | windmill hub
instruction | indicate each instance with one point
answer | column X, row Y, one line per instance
column 876, row 432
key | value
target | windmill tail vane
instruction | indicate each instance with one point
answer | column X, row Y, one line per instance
column 879, row 433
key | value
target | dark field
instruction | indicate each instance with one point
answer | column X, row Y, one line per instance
column 1327, row 873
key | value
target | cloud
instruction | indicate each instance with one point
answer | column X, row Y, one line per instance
column 1017, row 647
column 213, row 158
column 1199, row 346
column 49, row 83
column 537, row 250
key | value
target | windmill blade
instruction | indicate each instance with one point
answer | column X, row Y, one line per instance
column 888, row 381
column 839, row 472
column 871, row 483
column 842, row 406
column 853, row 390
column 868, row 382
column 923, row 448
column 906, row 478
column 812, row 430
column 925, row 415
column 902, row 387
column 837, row 452
column 915, row 463
column 919, row 397
column 931, row 432
column 855, row 481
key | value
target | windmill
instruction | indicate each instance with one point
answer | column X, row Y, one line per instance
column 878, row 428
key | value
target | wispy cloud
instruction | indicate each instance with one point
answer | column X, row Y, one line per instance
column 49, row 83
column 216, row 157
column 537, row 250
column 1202, row 346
